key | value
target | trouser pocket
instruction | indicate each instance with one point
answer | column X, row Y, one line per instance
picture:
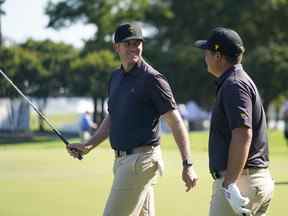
column 262, row 186
column 150, row 162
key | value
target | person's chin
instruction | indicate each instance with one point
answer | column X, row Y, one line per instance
column 209, row 70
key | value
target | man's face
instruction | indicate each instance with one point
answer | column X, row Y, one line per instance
column 130, row 51
column 212, row 61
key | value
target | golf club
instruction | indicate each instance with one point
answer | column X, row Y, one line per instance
column 58, row 133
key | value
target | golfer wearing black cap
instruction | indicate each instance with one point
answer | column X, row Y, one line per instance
column 238, row 145
column 138, row 96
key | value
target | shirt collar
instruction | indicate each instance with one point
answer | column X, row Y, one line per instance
column 133, row 70
column 225, row 75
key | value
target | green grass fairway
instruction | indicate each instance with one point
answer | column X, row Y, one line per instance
column 41, row 179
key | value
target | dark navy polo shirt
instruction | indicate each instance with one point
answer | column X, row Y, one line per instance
column 137, row 99
column 238, row 104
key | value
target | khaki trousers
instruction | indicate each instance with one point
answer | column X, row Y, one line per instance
column 256, row 185
column 132, row 192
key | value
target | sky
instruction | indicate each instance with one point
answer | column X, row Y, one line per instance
column 26, row 19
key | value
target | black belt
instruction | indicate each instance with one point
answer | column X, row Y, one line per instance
column 145, row 148
column 247, row 171
column 120, row 153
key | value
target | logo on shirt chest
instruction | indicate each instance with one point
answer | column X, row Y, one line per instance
column 244, row 115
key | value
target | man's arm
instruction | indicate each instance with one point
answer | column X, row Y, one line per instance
column 181, row 137
column 99, row 136
column 180, row 133
column 238, row 154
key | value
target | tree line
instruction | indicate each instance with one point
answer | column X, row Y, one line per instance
column 46, row 68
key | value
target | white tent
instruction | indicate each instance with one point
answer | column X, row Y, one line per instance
column 192, row 112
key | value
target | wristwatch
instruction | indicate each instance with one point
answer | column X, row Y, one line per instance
column 187, row 163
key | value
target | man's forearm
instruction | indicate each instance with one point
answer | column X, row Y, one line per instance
column 180, row 133
column 182, row 139
column 100, row 135
column 238, row 154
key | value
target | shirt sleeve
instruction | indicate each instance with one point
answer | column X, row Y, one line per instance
column 161, row 94
column 237, row 102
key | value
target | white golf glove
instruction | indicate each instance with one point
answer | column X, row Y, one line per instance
column 236, row 200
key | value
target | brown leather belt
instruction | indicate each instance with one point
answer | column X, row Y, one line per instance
column 140, row 149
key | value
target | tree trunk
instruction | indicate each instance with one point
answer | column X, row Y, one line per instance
column 41, row 106
column 102, row 108
column 99, row 109
column 95, row 119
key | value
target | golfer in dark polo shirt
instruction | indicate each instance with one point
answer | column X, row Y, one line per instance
column 238, row 145
column 138, row 96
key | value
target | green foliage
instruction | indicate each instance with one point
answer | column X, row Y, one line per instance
column 193, row 20
column 24, row 68
column 39, row 68
column 105, row 15
column 269, row 67
column 56, row 59
column 176, row 25
column 185, row 69
column 91, row 73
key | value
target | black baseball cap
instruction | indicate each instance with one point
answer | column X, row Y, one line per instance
column 223, row 40
column 128, row 31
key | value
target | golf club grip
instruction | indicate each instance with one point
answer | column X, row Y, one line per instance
column 79, row 156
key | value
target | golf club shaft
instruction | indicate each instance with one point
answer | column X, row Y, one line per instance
column 57, row 132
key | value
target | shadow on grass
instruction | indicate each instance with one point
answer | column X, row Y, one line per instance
column 282, row 183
